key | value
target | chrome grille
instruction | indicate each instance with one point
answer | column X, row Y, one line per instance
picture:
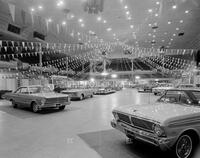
column 56, row 100
column 124, row 118
column 142, row 123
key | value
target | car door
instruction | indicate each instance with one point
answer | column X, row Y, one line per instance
column 22, row 98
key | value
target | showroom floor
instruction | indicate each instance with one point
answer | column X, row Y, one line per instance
column 81, row 130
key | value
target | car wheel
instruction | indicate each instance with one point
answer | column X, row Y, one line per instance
column 35, row 107
column 155, row 93
column 184, row 147
column 91, row 96
column 13, row 104
column 81, row 97
column 62, row 107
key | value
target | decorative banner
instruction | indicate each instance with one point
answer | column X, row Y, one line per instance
column 12, row 10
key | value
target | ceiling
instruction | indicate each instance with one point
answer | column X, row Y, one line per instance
column 130, row 21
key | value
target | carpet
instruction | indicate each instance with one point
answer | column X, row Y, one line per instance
column 113, row 144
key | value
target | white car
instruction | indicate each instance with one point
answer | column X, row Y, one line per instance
column 171, row 123
column 162, row 88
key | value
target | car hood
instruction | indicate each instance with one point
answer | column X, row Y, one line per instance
column 163, row 113
column 49, row 95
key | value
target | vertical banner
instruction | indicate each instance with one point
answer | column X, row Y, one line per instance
column 32, row 18
column 58, row 29
column 47, row 25
column 12, row 10
column 23, row 15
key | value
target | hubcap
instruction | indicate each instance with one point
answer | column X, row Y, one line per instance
column 35, row 108
column 184, row 147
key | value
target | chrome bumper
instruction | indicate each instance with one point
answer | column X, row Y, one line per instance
column 54, row 105
column 162, row 143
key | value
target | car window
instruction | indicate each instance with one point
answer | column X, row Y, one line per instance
column 18, row 90
column 184, row 98
column 24, row 90
column 170, row 97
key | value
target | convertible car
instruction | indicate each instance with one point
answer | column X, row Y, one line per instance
column 79, row 93
column 170, row 123
column 37, row 98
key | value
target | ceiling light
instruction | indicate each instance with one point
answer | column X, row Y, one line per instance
column 80, row 20
column 150, row 25
column 131, row 26
column 174, row 34
column 137, row 77
column 60, row 3
column 114, row 76
column 104, row 21
column 165, row 33
column 79, row 39
column 92, row 79
column 157, row 3
column 163, row 40
column 78, row 33
column 154, row 30
column 149, row 34
column 181, row 21
column 154, row 36
column 127, row 12
column 150, row 10
column 109, row 29
column 32, row 9
column 49, row 20
column 72, row 16
column 82, row 25
column 187, row 11
column 171, row 39
column 104, row 73
column 126, row 7
column 129, row 18
column 40, row 7
column 169, row 22
column 114, row 34
column 156, row 14
column 177, row 29
column 64, row 23
column 99, row 18
column 174, row 6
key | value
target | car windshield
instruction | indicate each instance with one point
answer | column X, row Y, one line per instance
column 39, row 89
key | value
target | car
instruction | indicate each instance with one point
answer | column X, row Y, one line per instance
column 37, row 97
column 145, row 88
column 2, row 92
column 104, row 91
column 172, row 123
column 186, row 86
column 79, row 93
column 159, row 90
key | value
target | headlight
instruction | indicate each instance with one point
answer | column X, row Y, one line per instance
column 115, row 116
column 43, row 101
column 158, row 130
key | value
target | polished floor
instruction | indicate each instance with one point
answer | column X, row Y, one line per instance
column 81, row 130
